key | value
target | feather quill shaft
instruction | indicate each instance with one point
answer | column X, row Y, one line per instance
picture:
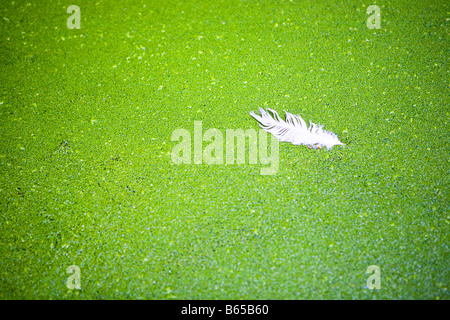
column 295, row 130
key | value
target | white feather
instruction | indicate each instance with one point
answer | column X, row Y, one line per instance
column 295, row 130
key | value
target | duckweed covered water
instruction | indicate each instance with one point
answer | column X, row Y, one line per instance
column 87, row 177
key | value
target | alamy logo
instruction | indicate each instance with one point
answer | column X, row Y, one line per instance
column 235, row 143
column 74, row 21
column 74, row 281
column 374, row 281
column 374, row 20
